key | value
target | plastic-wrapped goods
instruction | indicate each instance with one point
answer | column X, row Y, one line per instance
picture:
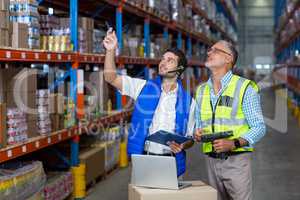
column 59, row 186
column 44, row 122
column 21, row 180
column 176, row 10
column 26, row 11
column 98, row 36
column 16, row 126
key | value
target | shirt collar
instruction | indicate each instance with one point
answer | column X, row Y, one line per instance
column 224, row 81
column 170, row 92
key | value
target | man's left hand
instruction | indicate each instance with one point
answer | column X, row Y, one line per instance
column 176, row 148
column 223, row 145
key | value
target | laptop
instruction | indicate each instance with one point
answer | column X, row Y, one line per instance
column 155, row 172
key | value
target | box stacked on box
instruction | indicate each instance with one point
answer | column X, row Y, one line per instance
column 85, row 35
column 94, row 161
column 98, row 36
column 44, row 122
column 17, row 127
column 4, row 23
column 26, row 11
column 3, row 130
column 56, row 109
column 20, row 35
column 112, row 154
column 54, row 36
column 59, row 186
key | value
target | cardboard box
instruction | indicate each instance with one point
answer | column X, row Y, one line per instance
column 4, row 4
column 57, row 122
column 32, row 129
column 86, row 23
column 4, row 37
column 3, row 133
column 56, row 104
column 198, row 191
column 94, row 161
column 19, row 35
column 20, row 99
column 24, row 79
column 4, row 14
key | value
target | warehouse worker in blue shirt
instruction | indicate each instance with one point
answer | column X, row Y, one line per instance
column 161, row 104
column 228, row 102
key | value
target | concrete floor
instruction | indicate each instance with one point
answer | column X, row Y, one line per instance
column 276, row 165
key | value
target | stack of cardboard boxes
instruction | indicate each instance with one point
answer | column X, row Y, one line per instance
column 19, row 34
column 4, row 23
column 17, row 90
column 85, row 34
column 3, row 133
column 57, row 111
column 26, row 12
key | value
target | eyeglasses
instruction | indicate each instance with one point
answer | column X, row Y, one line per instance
column 213, row 49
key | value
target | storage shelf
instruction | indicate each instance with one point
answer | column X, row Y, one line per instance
column 36, row 56
column 214, row 26
column 152, row 17
column 227, row 10
column 289, row 16
column 25, row 55
column 290, row 81
column 287, row 42
column 37, row 143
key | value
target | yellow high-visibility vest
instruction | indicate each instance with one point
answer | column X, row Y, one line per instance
column 228, row 114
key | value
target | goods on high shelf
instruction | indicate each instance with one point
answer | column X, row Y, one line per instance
column 53, row 36
column 4, row 23
column 44, row 122
column 17, row 127
column 21, row 180
column 26, row 11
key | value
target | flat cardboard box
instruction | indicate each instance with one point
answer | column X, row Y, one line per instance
column 4, row 37
column 93, row 159
column 86, row 23
column 20, row 99
column 19, row 35
column 3, row 133
column 4, row 4
column 198, row 191
column 57, row 122
column 56, row 103
column 4, row 14
column 32, row 129
column 24, row 79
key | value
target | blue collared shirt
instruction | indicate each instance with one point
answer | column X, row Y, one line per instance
column 251, row 107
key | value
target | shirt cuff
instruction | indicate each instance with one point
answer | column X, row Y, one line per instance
column 249, row 140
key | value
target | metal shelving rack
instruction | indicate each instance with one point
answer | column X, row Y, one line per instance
column 74, row 59
column 287, row 55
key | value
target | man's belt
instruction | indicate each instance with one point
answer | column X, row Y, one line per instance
column 225, row 155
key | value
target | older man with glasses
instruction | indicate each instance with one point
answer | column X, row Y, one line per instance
column 228, row 103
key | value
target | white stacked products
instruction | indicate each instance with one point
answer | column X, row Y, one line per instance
column 16, row 126
column 44, row 122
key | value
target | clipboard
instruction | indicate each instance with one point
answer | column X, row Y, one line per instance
column 163, row 137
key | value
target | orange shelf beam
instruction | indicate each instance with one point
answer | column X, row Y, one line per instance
column 40, row 142
column 35, row 144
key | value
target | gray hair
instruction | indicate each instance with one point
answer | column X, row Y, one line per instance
column 232, row 50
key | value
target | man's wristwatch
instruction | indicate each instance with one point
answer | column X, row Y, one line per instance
column 237, row 143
